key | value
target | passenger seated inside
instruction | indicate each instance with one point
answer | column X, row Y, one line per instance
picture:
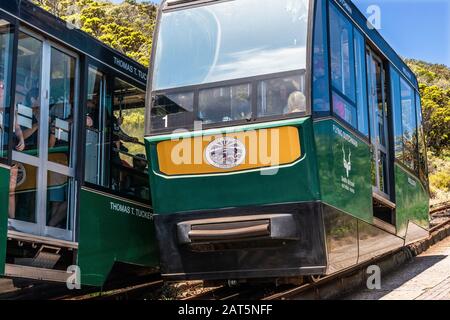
column 120, row 176
column 296, row 103
column 30, row 127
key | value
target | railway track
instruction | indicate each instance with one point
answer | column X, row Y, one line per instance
column 125, row 293
column 326, row 287
column 440, row 208
column 116, row 290
column 342, row 282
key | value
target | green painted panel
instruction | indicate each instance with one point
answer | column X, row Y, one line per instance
column 349, row 190
column 113, row 230
column 294, row 183
column 4, row 201
column 412, row 201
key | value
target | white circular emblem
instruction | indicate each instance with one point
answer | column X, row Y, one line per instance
column 225, row 153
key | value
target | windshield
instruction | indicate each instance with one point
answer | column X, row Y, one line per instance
column 200, row 49
column 230, row 40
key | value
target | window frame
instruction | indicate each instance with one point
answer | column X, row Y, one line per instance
column 415, row 94
column 254, row 82
column 110, row 75
column 333, row 89
column 150, row 93
column 14, row 31
column 421, row 132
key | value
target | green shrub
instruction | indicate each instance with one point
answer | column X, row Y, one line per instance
column 440, row 180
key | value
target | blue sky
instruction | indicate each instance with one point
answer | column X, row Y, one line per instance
column 417, row 29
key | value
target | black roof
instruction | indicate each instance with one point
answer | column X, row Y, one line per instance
column 31, row 15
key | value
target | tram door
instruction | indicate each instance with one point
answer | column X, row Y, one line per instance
column 379, row 124
column 42, row 181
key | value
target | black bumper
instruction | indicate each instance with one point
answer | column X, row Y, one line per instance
column 254, row 242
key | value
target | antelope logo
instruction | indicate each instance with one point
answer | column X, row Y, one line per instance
column 347, row 163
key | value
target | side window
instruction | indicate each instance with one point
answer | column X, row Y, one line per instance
column 342, row 54
column 172, row 110
column 348, row 72
column 397, row 112
column 321, row 96
column 128, row 160
column 409, row 125
column 97, row 134
column 423, row 167
column 361, row 87
column 28, row 94
column 6, row 38
column 225, row 104
column 281, row 96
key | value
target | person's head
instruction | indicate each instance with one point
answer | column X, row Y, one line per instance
column 32, row 98
column 296, row 102
column 139, row 162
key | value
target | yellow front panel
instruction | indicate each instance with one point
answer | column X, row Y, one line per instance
column 263, row 148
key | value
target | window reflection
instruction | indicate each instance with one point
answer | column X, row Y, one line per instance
column 281, row 96
column 321, row 96
column 128, row 160
column 22, row 192
column 397, row 115
column 28, row 94
column 5, row 73
column 62, row 99
column 342, row 54
column 344, row 110
column 97, row 135
column 409, row 125
column 423, row 167
column 225, row 104
column 211, row 40
column 58, row 191
column 173, row 103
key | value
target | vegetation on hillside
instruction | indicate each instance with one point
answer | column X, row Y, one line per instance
column 127, row 27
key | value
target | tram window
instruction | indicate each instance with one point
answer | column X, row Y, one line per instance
column 281, row 96
column 128, row 160
column 97, row 134
column 423, row 170
column 344, row 110
column 23, row 192
column 409, row 125
column 172, row 110
column 28, row 94
column 61, row 113
column 6, row 37
column 58, row 201
column 211, row 40
column 397, row 113
column 225, row 104
column 342, row 54
column 361, row 88
column 321, row 96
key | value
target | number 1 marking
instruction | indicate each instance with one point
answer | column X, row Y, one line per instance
column 166, row 118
